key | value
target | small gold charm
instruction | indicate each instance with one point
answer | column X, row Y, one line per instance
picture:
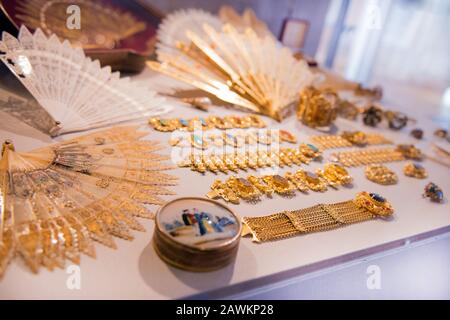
column 415, row 170
column 380, row 174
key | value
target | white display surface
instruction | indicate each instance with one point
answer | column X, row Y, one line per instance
column 134, row 271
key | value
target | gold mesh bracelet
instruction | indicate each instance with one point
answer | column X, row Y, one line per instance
column 321, row 217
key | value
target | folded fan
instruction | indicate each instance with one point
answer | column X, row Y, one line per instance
column 77, row 92
column 54, row 201
column 248, row 19
column 172, row 29
column 240, row 68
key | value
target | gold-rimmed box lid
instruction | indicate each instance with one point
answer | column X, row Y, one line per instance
column 196, row 234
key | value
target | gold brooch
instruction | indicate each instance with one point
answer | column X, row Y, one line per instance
column 414, row 170
column 317, row 108
column 380, row 174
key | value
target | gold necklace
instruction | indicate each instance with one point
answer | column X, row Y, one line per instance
column 226, row 162
column 211, row 122
column 233, row 139
column 321, row 217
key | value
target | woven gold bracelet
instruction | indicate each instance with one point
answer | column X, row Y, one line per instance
column 356, row 158
column 321, row 217
column 349, row 139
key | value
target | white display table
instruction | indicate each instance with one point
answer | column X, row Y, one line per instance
column 134, row 271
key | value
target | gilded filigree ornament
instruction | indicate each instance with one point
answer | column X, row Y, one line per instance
column 57, row 200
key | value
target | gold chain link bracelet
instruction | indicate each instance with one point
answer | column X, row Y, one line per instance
column 349, row 139
column 321, row 217
column 356, row 158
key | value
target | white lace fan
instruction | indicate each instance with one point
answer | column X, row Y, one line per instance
column 77, row 92
column 254, row 73
column 172, row 29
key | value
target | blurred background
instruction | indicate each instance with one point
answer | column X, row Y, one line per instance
column 402, row 45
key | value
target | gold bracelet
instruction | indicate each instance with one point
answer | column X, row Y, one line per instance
column 349, row 139
column 234, row 139
column 253, row 188
column 212, row 122
column 380, row 155
column 305, row 153
column 322, row 217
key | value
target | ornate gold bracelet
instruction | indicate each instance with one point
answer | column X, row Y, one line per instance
column 212, row 122
column 349, row 139
column 322, row 217
column 234, row 139
column 379, row 155
column 253, row 188
column 305, row 153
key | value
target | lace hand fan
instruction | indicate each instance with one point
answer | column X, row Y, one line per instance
column 77, row 92
column 56, row 200
column 240, row 68
column 172, row 29
column 248, row 20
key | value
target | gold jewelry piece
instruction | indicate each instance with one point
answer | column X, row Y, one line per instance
column 433, row 192
column 380, row 174
column 317, row 108
column 349, row 139
column 335, row 175
column 415, row 170
column 321, row 217
column 250, row 137
column 311, row 180
column 251, row 160
column 380, row 155
column 212, row 122
column 253, row 188
column 56, row 200
column 348, row 110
